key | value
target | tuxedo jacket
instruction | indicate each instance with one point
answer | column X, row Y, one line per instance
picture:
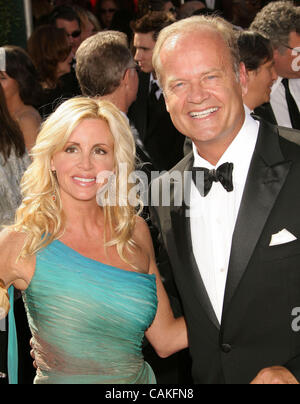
column 162, row 141
column 266, row 112
column 263, row 282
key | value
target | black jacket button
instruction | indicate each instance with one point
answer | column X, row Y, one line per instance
column 226, row 348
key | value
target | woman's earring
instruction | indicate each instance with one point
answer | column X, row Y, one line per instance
column 54, row 193
column 54, row 196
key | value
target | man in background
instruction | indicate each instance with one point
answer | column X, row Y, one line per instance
column 162, row 140
column 66, row 18
column 280, row 23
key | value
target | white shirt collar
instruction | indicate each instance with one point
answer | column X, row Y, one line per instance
column 248, row 110
column 276, row 84
column 153, row 80
column 210, row 4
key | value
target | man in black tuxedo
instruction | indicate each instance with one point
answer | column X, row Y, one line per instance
column 162, row 140
column 233, row 239
column 280, row 22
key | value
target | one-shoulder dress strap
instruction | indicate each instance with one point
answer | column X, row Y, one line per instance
column 12, row 354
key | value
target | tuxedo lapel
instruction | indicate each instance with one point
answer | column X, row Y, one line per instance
column 190, row 274
column 266, row 112
column 267, row 175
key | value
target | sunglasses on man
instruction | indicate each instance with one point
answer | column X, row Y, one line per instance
column 74, row 34
column 107, row 10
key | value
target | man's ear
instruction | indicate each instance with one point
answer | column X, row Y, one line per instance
column 276, row 54
column 243, row 78
column 126, row 79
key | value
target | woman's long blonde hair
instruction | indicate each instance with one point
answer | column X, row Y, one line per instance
column 40, row 215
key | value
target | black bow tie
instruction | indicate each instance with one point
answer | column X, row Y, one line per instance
column 223, row 174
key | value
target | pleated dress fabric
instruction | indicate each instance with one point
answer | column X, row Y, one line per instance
column 88, row 319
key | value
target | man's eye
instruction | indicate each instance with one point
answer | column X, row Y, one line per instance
column 178, row 85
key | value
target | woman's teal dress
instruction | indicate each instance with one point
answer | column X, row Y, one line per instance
column 88, row 319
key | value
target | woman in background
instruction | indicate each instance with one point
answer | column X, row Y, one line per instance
column 14, row 160
column 51, row 54
column 22, row 90
column 105, row 11
column 88, row 22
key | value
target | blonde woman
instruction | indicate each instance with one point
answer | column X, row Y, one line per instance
column 88, row 22
column 91, row 286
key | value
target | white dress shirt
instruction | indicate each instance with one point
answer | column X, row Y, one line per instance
column 278, row 100
column 213, row 217
column 210, row 4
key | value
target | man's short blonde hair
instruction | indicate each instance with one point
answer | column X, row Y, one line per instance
column 193, row 24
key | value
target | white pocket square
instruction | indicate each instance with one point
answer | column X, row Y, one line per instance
column 283, row 237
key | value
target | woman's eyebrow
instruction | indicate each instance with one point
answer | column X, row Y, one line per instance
column 78, row 144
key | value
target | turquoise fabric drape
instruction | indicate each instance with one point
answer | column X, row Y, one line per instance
column 12, row 355
column 88, row 319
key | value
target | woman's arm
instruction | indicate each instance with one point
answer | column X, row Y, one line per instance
column 167, row 335
column 7, row 274
column 13, row 271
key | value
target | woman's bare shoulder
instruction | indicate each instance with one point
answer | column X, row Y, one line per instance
column 142, row 235
column 28, row 113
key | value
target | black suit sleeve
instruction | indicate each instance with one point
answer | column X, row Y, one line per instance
column 164, row 266
column 294, row 367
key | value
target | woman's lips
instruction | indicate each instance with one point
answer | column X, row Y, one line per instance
column 83, row 181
